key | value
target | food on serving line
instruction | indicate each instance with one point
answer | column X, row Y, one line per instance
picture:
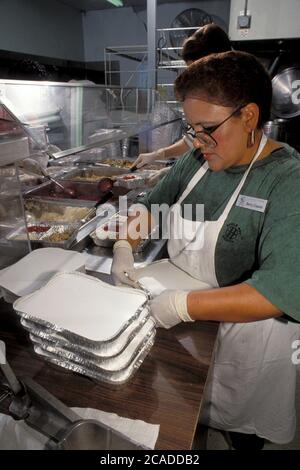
column 117, row 163
column 35, row 232
column 32, row 236
column 128, row 177
column 93, row 177
column 105, row 185
column 59, row 236
column 38, row 228
column 43, row 212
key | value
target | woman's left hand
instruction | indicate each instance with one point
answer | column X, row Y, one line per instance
column 170, row 308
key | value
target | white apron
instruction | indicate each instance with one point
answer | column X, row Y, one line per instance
column 252, row 383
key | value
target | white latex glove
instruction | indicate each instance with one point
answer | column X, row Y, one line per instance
column 159, row 174
column 170, row 308
column 147, row 158
column 122, row 268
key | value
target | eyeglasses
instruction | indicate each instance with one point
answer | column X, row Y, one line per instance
column 205, row 136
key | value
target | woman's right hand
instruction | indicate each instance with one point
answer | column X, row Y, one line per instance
column 148, row 158
column 122, row 269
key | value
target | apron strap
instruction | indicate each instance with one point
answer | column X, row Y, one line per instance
column 237, row 191
column 192, row 183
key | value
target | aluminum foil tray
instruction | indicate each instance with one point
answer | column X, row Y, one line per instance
column 104, row 351
column 106, row 234
column 95, row 314
column 109, row 364
column 113, row 378
column 60, row 235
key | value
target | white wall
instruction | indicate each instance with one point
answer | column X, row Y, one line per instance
column 271, row 19
column 121, row 26
column 41, row 27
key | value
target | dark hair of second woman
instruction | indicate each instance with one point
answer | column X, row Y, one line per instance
column 230, row 79
column 206, row 40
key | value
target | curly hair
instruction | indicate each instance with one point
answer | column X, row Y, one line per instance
column 228, row 79
column 206, row 40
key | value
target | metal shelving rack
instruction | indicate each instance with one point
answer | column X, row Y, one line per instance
column 168, row 65
column 131, row 60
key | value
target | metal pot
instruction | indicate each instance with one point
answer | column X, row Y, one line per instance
column 276, row 129
column 286, row 93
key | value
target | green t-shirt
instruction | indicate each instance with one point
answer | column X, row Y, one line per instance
column 260, row 248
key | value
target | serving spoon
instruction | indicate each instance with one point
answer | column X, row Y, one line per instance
column 32, row 166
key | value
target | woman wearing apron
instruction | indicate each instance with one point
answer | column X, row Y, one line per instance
column 247, row 248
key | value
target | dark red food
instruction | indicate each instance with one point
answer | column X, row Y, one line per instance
column 38, row 228
column 129, row 177
column 105, row 185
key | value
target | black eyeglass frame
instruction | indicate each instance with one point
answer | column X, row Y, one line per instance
column 207, row 131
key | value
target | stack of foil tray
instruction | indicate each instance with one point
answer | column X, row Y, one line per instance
column 82, row 324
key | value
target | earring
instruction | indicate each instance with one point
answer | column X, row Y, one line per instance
column 251, row 138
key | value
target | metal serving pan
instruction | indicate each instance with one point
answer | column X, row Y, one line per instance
column 55, row 235
column 92, row 174
column 39, row 211
column 89, row 194
column 116, row 162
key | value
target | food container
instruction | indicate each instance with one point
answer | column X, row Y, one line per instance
column 106, row 350
column 99, row 363
column 87, row 193
column 88, row 156
column 117, row 162
column 52, row 235
column 113, row 378
column 107, row 233
column 94, row 174
column 133, row 181
column 101, row 331
column 41, row 211
column 82, row 317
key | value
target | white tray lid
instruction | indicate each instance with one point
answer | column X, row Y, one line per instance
column 35, row 269
column 83, row 305
column 162, row 275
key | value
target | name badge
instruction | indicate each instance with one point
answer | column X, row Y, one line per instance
column 252, row 203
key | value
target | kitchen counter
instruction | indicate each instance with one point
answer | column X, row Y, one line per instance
column 167, row 389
